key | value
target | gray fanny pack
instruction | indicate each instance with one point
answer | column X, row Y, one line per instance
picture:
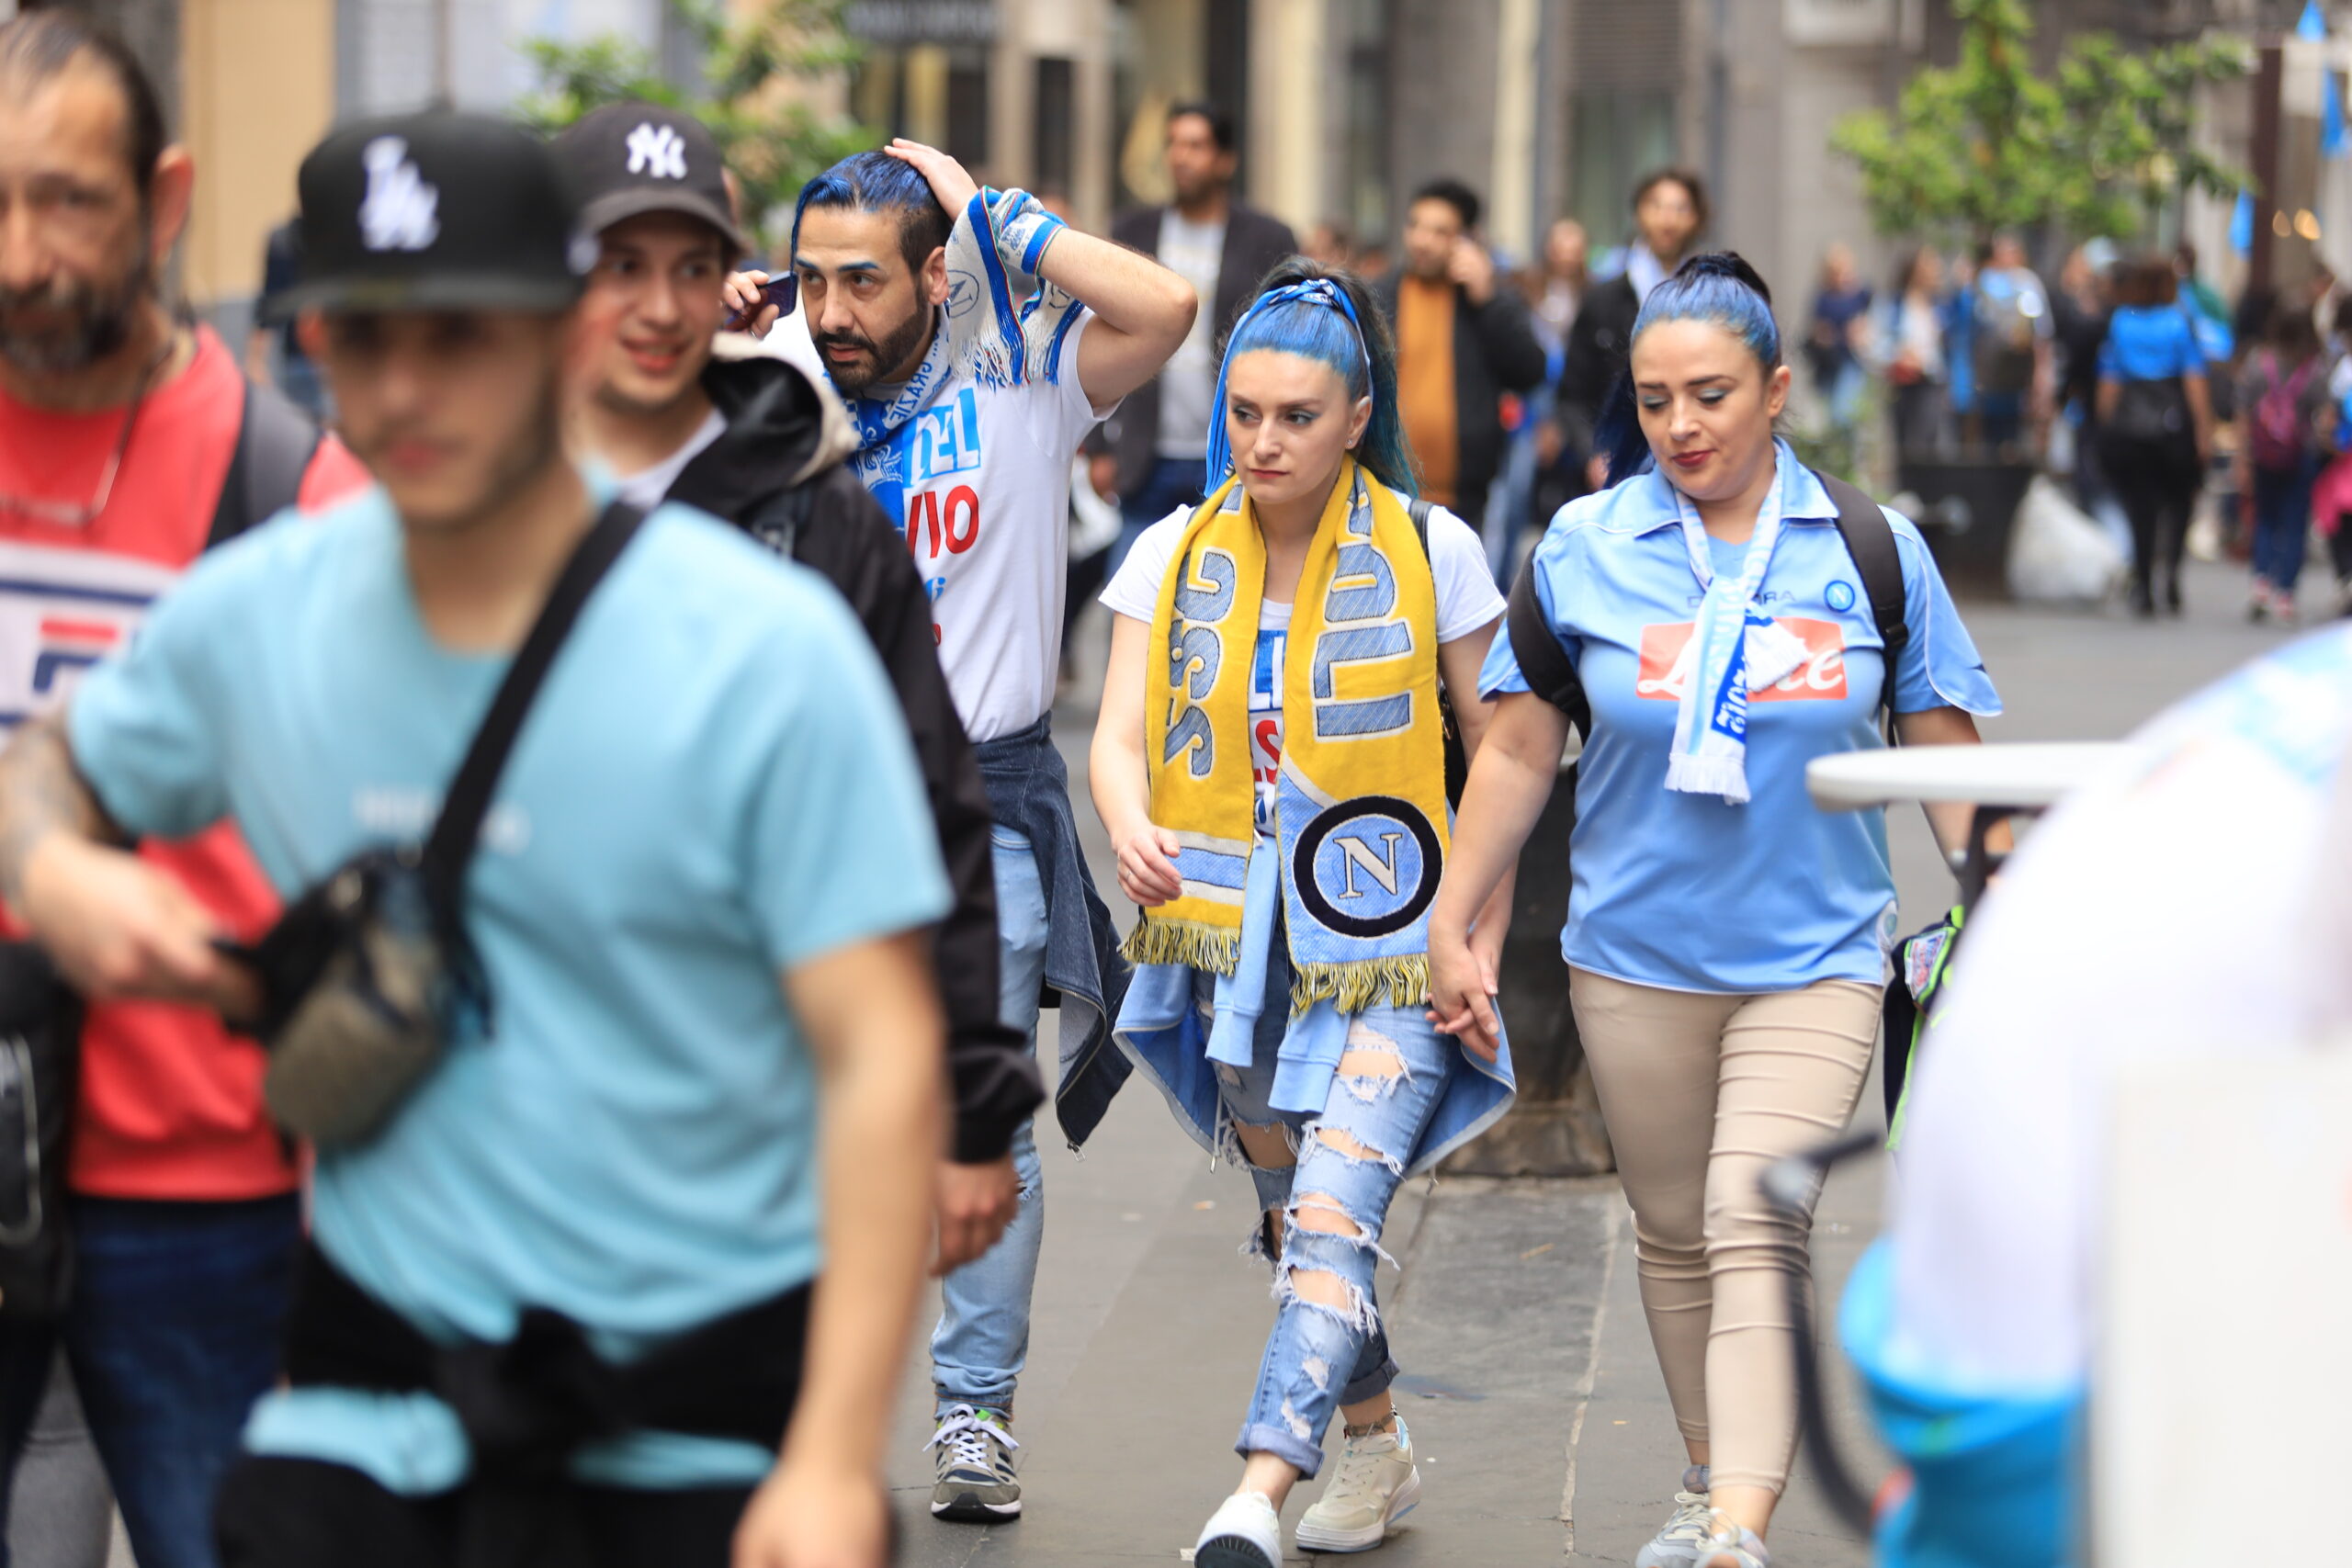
column 363, row 974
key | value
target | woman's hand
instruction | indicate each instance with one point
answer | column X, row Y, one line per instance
column 1147, row 866
column 1462, row 992
column 1487, row 949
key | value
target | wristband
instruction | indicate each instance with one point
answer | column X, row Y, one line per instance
column 1021, row 229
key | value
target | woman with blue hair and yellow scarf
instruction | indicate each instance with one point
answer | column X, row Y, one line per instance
column 1270, row 763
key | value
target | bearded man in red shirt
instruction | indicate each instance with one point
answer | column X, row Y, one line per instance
column 129, row 441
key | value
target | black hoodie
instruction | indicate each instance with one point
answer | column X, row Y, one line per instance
column 778, row 474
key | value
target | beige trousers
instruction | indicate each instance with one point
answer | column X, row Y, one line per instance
column 1701, row 1093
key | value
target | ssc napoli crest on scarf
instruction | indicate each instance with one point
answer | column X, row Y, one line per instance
column 1368, row 867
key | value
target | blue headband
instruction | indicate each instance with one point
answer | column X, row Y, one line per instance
column 1314, row 291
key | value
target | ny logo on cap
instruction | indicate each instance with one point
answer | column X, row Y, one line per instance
column 397, row 214
column 657, row 151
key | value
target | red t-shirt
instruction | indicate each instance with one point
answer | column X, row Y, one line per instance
column 171, row 1103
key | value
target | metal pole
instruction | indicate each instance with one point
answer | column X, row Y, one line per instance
column 2268, row 81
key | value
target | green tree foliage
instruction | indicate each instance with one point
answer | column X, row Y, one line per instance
column 774, row 145
column 2100, row 147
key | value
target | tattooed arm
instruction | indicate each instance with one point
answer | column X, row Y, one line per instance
column 114, row 925
column 41, row 793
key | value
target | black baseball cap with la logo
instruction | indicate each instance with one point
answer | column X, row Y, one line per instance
column 632, row 159
column 438, row 212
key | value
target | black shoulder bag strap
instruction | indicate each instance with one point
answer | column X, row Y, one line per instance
column 451, row 845
column 1869, row 540
column 276, row 442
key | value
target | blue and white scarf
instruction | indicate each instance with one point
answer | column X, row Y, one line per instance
column 1737, row 650
column 1001, row 324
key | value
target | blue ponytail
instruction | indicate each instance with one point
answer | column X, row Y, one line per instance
column 1718, row 288
column 1325, row 316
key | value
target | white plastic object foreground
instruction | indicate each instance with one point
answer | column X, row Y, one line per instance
column 2025, row 775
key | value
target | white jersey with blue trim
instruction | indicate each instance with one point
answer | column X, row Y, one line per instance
column 979, row 482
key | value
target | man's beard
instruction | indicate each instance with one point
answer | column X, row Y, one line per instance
column 99, row 318
column 884, row 358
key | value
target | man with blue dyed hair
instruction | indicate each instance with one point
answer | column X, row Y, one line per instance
column 977, row 339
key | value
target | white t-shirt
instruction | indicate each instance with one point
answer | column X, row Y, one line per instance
column 2177, row 914
column 978, row 483
column 645, row 487
column 1196, row 252
column 1466, row 600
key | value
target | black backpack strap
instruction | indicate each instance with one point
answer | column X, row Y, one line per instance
column 1420, row 508
column 276, row 442
column 1869, row 540
column 451, row 845
column 1549, row 678
column 1551, row 673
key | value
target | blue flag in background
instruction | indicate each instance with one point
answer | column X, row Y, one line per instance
column 2334, row 138
column 2242, row 224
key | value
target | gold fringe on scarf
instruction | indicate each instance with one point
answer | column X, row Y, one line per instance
column 1213, row 949
column 1355, row 986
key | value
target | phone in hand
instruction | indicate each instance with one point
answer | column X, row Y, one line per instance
column 783, row 291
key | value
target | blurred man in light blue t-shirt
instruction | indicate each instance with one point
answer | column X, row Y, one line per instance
column 555, row 1308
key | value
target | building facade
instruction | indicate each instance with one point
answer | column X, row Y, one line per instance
column 1550, row 108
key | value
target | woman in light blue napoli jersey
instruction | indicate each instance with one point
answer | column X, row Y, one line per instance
column 1727, row 942
column 1275, row 784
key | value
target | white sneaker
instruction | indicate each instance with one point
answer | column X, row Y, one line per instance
column 1244, row 1532
column 1677, row 1546
column 1373, row 1485
column 1730, row 1544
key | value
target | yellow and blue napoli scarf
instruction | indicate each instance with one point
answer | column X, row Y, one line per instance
column 1361, row 810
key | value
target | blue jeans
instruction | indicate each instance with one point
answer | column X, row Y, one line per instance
column 1172, row 482
column 982, row 1340
column 2282, row 520
column 2000, row 417
column 1351, row 1159
column 172, row 1334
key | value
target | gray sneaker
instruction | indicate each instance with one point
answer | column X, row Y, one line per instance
column 1678, row 1545
column 974, row 1454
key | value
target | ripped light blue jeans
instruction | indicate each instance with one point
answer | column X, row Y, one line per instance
column 1352, row 1155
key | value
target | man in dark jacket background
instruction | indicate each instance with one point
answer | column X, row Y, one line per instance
column 1462, row 343
column 1222, row 248
column 1670, row 214
column 755, row 441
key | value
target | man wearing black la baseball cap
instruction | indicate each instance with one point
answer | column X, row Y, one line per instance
column 560, row 1294
column 757, row 442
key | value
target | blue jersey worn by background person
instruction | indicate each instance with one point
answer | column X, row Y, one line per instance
column 2150, row 343
column 713, row 786
column 1785, row 894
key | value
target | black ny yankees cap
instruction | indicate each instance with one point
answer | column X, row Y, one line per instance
column 437, row 211
column 631, row 158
